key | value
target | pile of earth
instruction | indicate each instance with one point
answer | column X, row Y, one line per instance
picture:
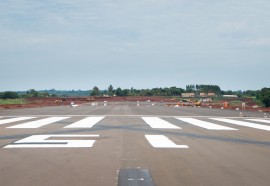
column 43, row 102
column 234, row 103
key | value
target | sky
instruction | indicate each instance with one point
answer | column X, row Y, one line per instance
column 79, row 44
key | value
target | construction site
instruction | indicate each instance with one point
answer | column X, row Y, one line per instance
column 234, row 103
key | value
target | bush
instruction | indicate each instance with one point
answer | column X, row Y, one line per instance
column 9, row 95
column 95, row 91
column 264, row 96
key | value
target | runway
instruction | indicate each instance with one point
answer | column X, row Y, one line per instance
column 129, row 144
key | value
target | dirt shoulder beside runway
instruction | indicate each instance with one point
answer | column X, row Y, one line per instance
column 233, row 104
column 43, row 102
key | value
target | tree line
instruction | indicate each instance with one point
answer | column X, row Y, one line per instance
column 263, row 95
column 204, row 88
column 172, row 91
column 167, row 91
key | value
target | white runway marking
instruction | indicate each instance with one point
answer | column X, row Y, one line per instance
column 260, row 120
column 88, row 122
column 243, row 123
column 40, row 141
column 161, row 141
column 158, row 123
column 108, row 115
column 39, row 123
column 204, row 124
column 5, row 121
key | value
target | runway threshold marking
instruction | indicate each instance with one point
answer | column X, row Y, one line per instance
column 108, row 115
column 41, row 141
column 204, row 124
column 161, row 141
column 5, row 121
column 243, row 123
column 259, row 120
column 39, row 123
column 158, row 123
column 88, row 122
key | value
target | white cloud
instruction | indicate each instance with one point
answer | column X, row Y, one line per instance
column 156, row 34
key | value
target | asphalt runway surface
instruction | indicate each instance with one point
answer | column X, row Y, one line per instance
column 128, row 144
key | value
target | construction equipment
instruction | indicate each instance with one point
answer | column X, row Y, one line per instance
column 197, row 103
column 58, row 101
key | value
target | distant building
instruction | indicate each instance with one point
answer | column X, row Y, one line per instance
column 207, row 100
column 188, row 95
column 203, row 95
column 230, row 96
column 210, row 94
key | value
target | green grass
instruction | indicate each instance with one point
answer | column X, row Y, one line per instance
column 12, row 101
column 258, row 102
column 236, row 103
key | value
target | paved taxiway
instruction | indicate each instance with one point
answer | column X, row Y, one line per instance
column 171, row 146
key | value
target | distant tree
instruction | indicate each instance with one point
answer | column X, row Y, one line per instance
column 264, row 96
column 45, row 94
column 251, row 93
column 132, row 91
column 149, row 93
column 174, row 91
column 9, row 95
column 95, row 91
column 208, row 88
column 239, row 93
column 118, row 92
column 228, row 92
column 32, row 93
column 125, row 92
column 190, row 88
column 110, row 90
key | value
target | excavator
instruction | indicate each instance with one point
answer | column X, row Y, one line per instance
column 197, row 103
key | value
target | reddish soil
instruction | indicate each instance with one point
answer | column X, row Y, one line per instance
column 42, row 102
column 249, row 104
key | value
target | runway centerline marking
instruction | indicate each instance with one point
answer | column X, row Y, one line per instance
column 204, row 124
column 39, row 123
column 158, row 123
column 134, row 177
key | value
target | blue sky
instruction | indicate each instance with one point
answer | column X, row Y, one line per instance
column 67, row 44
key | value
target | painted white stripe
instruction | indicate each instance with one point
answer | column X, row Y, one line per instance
column 204, row 124
column 39, row 123
column 85, row 123
column 40, row 141
column 243, row 123
column 161, row 141
column 260, row 120
column 5, row 121
column 112, row 115
column 158, row 123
